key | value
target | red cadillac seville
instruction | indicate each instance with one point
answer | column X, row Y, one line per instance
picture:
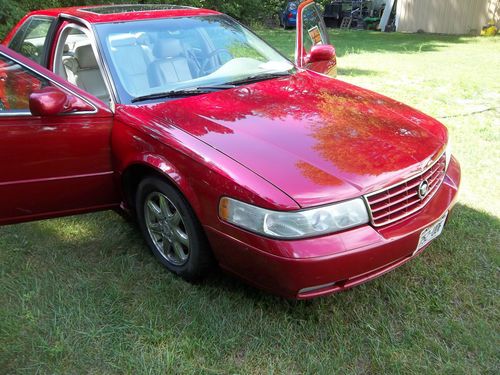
column 221, row 148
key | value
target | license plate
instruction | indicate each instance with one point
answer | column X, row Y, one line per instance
column 431, row 233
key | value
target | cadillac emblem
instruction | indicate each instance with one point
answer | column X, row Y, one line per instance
column 423, row 189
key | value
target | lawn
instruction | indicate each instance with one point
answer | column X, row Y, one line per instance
column 84, row 295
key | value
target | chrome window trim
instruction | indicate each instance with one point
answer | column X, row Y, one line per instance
column 15, row 114
column 366, row 196
column 24, row 113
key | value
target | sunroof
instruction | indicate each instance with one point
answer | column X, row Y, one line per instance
column 113, row 9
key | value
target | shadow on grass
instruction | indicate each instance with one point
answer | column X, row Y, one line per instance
column 359, row 42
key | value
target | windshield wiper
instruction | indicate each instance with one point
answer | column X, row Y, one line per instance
column 212, row 88
column 258, row 77
column 174, row 94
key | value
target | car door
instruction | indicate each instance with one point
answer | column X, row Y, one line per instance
column 313, row 49
column 51, row 165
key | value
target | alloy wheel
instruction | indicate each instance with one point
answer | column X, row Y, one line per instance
column 166, row 228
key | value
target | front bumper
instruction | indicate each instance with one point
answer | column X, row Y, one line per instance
column 315, row 267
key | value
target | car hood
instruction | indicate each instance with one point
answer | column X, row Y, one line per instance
column 317, row 139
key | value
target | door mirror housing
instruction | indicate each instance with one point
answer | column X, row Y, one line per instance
column 313, row 50
column 321, row 52
column 51, row 101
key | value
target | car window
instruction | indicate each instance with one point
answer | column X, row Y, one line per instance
column 192, row 39
column 16, row 85
column 230, row 39
column 313, row 31
column 32, row 38
column 163, row 55
column 76, row 61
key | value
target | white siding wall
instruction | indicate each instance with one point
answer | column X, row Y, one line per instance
column 446, row 16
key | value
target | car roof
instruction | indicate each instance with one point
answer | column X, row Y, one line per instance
column 125, row 12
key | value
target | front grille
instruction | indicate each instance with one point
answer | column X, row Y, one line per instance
column 399, row 201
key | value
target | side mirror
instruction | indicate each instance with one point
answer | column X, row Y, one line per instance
column 321, row 52
column 51, row 101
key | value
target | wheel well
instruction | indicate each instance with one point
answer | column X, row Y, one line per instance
column 131, row 179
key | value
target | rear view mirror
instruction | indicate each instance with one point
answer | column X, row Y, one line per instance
column 51, row 101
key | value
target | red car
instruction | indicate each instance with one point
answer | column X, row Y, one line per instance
column 224, row 151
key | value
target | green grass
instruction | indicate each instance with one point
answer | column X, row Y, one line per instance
column 84, row 295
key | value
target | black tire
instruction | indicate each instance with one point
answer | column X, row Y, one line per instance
column 199, row 256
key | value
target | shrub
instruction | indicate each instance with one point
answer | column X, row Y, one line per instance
column 247, row 11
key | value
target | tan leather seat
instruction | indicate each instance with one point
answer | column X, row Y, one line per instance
column 171, row 64
column 134, row 73
column 84, row 72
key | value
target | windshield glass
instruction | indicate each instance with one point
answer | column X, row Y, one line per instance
column 164, row 55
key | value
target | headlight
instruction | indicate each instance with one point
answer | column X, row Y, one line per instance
column 295, row 224
column 448, row 154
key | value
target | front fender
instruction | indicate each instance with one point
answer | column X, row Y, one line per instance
column 158, row 164
column 200, row 172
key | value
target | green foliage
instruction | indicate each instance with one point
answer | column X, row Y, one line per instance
column 248, row 11
column 10, row 13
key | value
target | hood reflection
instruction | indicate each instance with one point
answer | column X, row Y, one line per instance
column 310, row 135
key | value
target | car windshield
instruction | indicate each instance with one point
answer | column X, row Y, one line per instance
column 187, row 53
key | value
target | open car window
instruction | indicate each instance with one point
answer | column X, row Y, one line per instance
column 311, row 30
column 153, row 56
column 313, row 49
column 76, row 61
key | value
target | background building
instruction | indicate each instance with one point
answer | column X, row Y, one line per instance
column 446, row 16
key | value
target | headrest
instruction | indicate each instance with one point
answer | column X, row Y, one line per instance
column 85, row 56
column 144, row 39
column 168, row 48
column 123, row 41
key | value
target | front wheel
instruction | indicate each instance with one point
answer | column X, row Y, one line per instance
column 172, row 230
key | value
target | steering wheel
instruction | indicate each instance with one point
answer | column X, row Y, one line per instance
column 192, row 55
column 218, row 52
